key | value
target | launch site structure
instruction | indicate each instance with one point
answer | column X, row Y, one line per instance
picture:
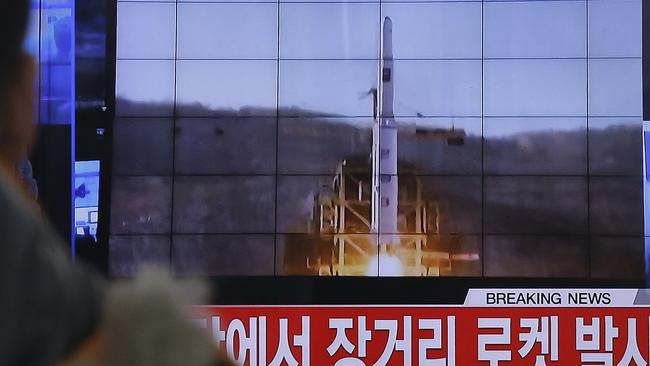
column 374, row 221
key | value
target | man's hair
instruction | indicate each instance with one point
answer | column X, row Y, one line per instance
column 14, row 16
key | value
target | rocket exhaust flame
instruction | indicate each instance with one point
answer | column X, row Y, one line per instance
column 385, row 265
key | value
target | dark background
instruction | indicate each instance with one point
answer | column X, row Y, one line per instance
column 646, row 60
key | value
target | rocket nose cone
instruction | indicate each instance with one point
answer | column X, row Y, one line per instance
column 388, row 25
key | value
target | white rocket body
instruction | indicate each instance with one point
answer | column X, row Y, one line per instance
column 384, row 148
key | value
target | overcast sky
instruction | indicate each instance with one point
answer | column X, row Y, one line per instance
column 534, row 57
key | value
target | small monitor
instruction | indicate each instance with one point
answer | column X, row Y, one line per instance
column 86, row 197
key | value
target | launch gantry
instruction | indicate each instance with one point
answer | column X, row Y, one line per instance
column 373, row 219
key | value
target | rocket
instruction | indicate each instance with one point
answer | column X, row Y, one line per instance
column 384, row 148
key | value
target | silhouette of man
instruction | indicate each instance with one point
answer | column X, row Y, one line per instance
column 48, row 306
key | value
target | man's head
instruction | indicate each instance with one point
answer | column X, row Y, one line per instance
column 17, row 71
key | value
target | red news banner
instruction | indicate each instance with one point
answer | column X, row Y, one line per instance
column 493, row 327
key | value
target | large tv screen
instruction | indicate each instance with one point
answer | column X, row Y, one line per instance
column 394, row 138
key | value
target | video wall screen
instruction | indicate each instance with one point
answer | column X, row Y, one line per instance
column 244, row 143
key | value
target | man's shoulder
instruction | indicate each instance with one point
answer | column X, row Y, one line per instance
column 18, row 220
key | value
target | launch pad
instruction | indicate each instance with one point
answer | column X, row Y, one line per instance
column 348, row 247
column 373, row 220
